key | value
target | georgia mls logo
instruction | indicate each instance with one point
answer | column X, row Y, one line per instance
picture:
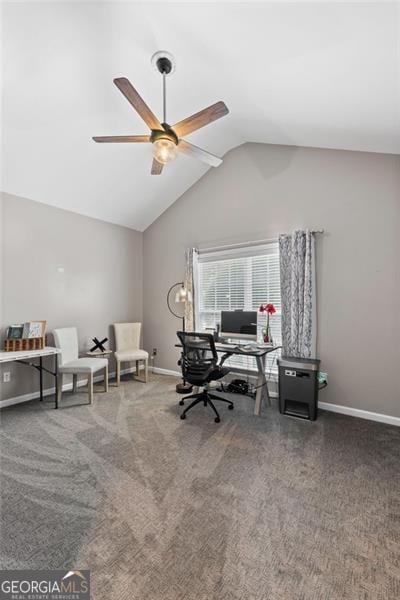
column 44, row 584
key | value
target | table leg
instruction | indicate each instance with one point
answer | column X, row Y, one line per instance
column 41, row 378
column 261, row 384
column 266, row 390
column 56, row 378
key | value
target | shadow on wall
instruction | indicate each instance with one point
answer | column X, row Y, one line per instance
column 267, row 161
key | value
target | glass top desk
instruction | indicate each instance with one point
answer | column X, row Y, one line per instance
column 260, row 355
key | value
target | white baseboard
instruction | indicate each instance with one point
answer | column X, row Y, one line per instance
column 51, row 391
column 160, row 371
column 362, row 414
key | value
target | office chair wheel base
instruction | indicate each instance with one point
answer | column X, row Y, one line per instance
column 230, row 407
column 217, row 419
column 181, row 402
column 183, row 417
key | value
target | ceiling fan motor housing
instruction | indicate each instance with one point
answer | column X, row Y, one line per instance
column 166, row 134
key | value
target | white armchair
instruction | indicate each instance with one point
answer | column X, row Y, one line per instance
column 70, row 364
column 127, row 342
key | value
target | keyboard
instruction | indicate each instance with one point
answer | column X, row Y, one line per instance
column 227, row 346
column 237, row 347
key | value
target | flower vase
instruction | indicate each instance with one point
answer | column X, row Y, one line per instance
column 266, row 332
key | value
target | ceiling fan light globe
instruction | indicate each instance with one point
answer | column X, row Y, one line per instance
column 164, row 150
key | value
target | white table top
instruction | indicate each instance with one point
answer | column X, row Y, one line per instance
column 24, row 354
column 99, row 353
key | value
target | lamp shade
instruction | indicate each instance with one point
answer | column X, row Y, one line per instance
column 183, row 295
column 164, row 150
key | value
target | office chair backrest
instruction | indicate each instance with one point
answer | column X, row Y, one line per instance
column 66, row 339
column 199, row 355
column 127, row 336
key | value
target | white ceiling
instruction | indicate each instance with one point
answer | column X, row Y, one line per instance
column 309, row 74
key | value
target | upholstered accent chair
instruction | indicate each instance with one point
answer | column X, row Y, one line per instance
column 127, row 342
column 69, row 363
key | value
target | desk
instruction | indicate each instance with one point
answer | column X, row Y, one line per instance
column 260, row 354
column 24, row 357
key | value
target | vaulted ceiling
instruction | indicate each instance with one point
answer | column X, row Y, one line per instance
column 320, row 74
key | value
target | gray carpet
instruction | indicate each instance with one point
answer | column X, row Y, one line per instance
column 266, row 508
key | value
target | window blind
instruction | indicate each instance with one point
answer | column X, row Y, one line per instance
column 241, row 278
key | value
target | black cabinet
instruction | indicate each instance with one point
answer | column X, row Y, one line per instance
column 298, row 387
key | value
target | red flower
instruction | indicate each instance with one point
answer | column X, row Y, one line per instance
column 268, row 308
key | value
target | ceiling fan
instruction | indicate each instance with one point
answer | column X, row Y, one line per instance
column 167, row 140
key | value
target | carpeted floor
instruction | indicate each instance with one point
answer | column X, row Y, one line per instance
column 266, row 508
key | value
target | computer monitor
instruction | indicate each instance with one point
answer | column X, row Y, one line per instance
column 239, row 324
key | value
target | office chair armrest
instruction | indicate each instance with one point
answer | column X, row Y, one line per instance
column 223, row 359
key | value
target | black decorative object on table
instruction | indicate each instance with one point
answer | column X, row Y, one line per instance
column 182, row 295
column 99, row 345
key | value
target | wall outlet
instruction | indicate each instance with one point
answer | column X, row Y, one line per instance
column 154, row 351
column 6, row 376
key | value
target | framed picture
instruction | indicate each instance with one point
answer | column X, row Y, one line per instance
column 36, row 329
column 14, row 332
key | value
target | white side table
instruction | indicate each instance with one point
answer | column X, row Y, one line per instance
column 101, row 354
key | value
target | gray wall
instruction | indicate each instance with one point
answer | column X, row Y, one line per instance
column 263, row 190
column 101, row 283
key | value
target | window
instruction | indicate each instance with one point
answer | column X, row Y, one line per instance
column 240, row 279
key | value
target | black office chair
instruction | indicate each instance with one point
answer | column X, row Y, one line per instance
column 200, row 366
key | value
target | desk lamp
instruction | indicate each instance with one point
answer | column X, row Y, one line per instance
column 182, row 296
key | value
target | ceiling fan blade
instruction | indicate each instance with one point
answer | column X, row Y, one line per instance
column 156, row 167
column 195, row 152
column 200, row 119
column 125, row 86
column 122, row 138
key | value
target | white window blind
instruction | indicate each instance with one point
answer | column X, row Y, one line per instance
column 240, row 279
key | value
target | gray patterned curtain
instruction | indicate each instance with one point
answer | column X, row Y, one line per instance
column 297, row 269
column 190, row 279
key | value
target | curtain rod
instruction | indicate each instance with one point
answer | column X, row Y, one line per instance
column 248, row 244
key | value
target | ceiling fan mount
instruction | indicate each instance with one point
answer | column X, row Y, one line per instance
column 167, row 140
column 164, row 62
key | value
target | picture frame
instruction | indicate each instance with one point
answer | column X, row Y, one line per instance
column 14, row 332
column 36, row 329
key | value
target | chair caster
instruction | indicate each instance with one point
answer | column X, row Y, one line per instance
column 181, row 402
column 230, row 407
column 217, row 419
column 183, row 417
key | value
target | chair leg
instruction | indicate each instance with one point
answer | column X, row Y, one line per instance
column 146, row 369
column 59, row 388
column 192, row 396
column 210, row 402
column 200, row 399
column 74, row 383
column 90, row 387
column 214, row 397
column 137, row 368
column 106, row 378
column 118, row 372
